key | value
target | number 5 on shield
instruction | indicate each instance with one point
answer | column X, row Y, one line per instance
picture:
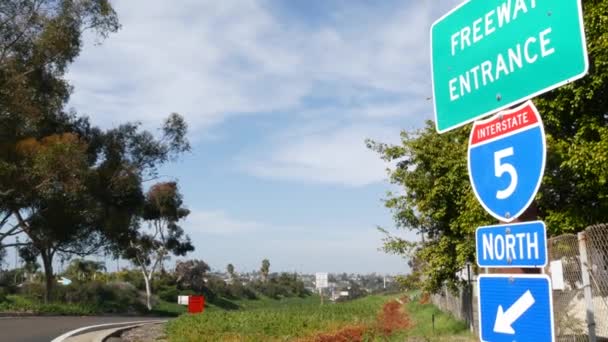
column 501, row 168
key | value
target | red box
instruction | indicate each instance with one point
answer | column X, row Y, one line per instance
column 196, row 304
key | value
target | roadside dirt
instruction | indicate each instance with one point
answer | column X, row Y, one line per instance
column 146, row 333
column 391, row 319
column 347, row 334
column 426, row 298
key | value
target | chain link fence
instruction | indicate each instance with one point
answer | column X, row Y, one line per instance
column 461, row 304
column 578, row 266
column 568, row 298
column 596, row 241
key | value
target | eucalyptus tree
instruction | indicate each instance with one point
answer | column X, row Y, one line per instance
column 162, row 211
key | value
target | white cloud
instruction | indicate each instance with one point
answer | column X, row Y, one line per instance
column 212, row 59
column 335, row 156
column 206, row 60
column 218, row 223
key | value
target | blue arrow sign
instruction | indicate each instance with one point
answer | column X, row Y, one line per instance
column 506, row 161
column 515, row 308
column 512, row 245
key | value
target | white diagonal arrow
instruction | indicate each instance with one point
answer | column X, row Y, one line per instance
column 504, row 319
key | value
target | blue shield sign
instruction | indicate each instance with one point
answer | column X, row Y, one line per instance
column 512, row 245
column 506, row 160
column 515, row 308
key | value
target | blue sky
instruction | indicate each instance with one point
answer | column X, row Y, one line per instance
column 280, row 96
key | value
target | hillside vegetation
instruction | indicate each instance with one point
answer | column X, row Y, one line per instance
column 371, row 318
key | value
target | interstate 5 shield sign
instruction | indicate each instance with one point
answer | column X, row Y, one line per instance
column 506, row 160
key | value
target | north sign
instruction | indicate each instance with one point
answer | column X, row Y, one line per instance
column 506, row 161
column 488, row 55
column 512, row 245
column 515, row 307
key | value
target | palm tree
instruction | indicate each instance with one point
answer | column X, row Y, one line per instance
column 83, row 269
column 265, row 269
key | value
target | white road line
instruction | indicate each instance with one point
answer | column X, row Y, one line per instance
column 76, row 331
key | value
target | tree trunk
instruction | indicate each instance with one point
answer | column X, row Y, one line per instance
column 47, row 262
column 148, row 292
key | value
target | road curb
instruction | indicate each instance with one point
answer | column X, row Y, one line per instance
column 104, row 335
column 71, row 335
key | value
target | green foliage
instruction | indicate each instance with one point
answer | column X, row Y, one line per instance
column 215, row 287
column 422, row 317
column 296, row 318
column 274, row 320
column 83, row 270
column 191, row 274
column 574, row 193
column 169, row 293
column 162, row 210
column 43, row 156
column 230, row 270
column 70, row 187
column 238, row 290
column 265, row 269
column 99, row 297
column 437, row 201
column 132, row 277
column 168, row 308
column 18, row 304
column 281, row 286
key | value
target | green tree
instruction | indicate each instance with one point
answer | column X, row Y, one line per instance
column 265, row 269
column 191, row 274
column 574, row 192
column 84, row 270
column 38, row 40
column 29, row 256
column 51, row 201
column 80, row 190
column 163, row 209
column 230, row 270
column 437, row 201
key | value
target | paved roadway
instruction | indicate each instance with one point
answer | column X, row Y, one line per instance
column 46, row 328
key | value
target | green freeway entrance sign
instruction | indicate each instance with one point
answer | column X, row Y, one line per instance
column 487, row 55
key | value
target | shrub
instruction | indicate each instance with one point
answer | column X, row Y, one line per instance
column 111, row 297
column 238, row 290
column 170, row 293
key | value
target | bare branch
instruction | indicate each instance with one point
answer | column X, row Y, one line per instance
column 16, row 244
column 5, row 219
column 79, row 252
column 11, row 232
column 21, row 221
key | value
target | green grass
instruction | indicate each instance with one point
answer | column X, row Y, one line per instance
column 445, row 328
column 19, row 304
column 294, row 318
column 23, row 305
column 267, row 320
column 164, row 308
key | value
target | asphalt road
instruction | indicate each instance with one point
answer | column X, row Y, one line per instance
column 44, row 329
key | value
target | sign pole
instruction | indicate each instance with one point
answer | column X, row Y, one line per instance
column 530, row 214
column 506, row 162
column 321, row 294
